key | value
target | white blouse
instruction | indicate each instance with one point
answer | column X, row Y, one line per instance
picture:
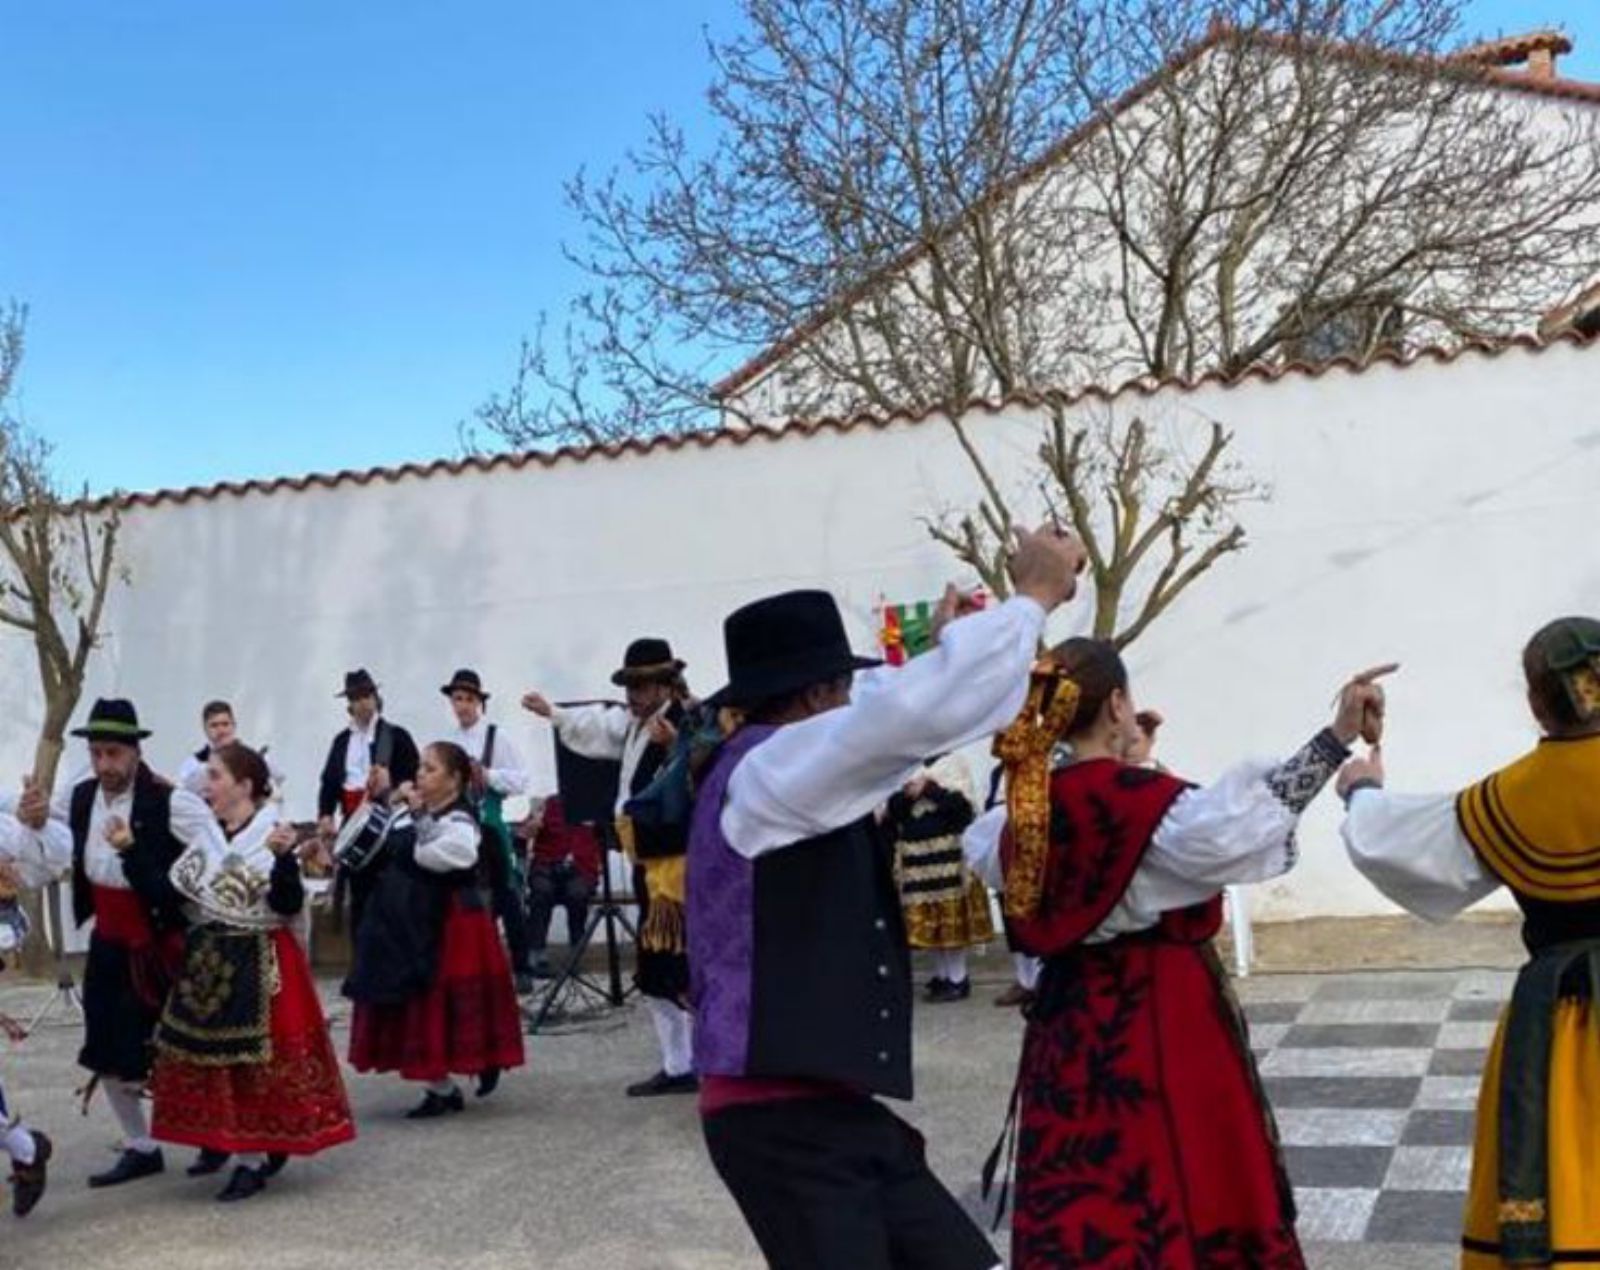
column 447, row 843
column 1410, row 846
column 1237, row 829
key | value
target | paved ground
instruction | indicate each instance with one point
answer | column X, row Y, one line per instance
column 1372, row 1074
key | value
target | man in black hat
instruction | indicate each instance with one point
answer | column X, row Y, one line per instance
column 124, row 828
column 498, row 773
column 368, row 759
column 640, row 737
column 802, row 976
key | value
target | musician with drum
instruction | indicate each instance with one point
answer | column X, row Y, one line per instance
column 430, row 980
column 369, row 758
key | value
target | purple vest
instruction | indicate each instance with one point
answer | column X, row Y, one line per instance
column 798, row 959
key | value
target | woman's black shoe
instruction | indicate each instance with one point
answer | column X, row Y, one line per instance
column 244, row 1183
column 488, row 1082
column 274, row 1164
column 207, row 1163
column 435, row 1105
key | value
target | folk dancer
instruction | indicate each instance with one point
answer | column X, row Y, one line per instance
column 802, row 976
column 244, row 1066
column 563, row 871
column 431, row 982
column 1532, row 827
column 368, row 759
column 124, row 828
column 28, row 860
column 221, row 728
column 498, row 773
column 946, row 907
column 641, row 737
column 1114, row 875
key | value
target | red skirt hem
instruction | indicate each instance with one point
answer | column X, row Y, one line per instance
column 293, row 1104
column 466, row 1023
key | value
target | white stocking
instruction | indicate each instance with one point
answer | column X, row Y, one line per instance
column 128, row 1107
column 674, row 1036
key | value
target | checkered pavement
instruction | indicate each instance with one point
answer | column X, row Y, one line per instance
column 1374, row 1078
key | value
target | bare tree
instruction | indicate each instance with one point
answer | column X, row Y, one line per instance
column 909, row 204
column 916, row 202
column 1153, row 518
column 57, row 562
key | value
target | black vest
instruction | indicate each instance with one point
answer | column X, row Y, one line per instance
column 154, row 849
column 831, row 997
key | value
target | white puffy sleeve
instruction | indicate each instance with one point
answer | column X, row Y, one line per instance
column 1410, row 846
column 832, row 769
column 39, row 858
column 448, row 843
column 980, row 845
column 597, row 731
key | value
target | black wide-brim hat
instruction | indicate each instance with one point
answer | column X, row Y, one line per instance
column 358, row 683
column 112, row 719
column 648, row 661
column 785, row 643
column 465, row 681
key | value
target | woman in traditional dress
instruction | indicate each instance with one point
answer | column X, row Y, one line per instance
column 946, row 907
column 1144, row 1135
column 1533, row 827
column 431, row 982
column 244, row 1066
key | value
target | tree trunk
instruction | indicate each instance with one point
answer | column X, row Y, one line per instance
column 37, row 957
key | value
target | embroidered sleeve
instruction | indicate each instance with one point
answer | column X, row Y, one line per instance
column 1299, row 779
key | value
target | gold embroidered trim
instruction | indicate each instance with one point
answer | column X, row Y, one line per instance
column 1024, row 749
column 1522, row 1210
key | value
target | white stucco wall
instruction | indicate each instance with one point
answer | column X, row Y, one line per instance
column 1433, row 515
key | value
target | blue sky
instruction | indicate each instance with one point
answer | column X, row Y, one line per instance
column 260, row 238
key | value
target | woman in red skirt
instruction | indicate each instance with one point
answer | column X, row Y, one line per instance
column 243, row 1063
column 1144, row 1138
column 431, row 982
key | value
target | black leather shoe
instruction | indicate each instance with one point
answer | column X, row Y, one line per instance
column 522, row 983
column 207, row 1163
column 435, row 1105
column 27, row 1180
column 542, row 968
column 130, row 1167
column 661, row 1083
column 244, row 1183
column 950, row 991
column 274, row 1165
column 488, row 1082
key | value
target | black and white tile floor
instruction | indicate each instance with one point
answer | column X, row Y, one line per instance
column 1374, row 1078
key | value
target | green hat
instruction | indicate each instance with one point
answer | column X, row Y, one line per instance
column 112, row 719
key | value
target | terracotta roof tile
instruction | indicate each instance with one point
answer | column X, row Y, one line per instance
column 801, row 428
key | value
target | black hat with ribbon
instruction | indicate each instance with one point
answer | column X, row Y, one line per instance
column 358, row 683
column 648, row 661
column 112, row 719
column 465, row 681
column 785, row 643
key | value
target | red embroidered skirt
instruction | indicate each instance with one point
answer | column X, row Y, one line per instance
column 293, row 1104
column 1143, row 1137
column 465, row 1023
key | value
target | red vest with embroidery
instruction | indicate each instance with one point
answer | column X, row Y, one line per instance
column 1103, row 815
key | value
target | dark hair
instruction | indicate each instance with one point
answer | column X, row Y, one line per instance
column 1095, row 666
column 455, row 761
column 212, row 709
column 784, row 703
column 1546, row 686
column 245, row 764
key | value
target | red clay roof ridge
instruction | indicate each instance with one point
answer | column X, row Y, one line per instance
column 1143, row 386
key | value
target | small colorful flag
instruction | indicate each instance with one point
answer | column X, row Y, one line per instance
column 906, row 630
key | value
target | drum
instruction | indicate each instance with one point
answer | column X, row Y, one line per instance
column 365, row 833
